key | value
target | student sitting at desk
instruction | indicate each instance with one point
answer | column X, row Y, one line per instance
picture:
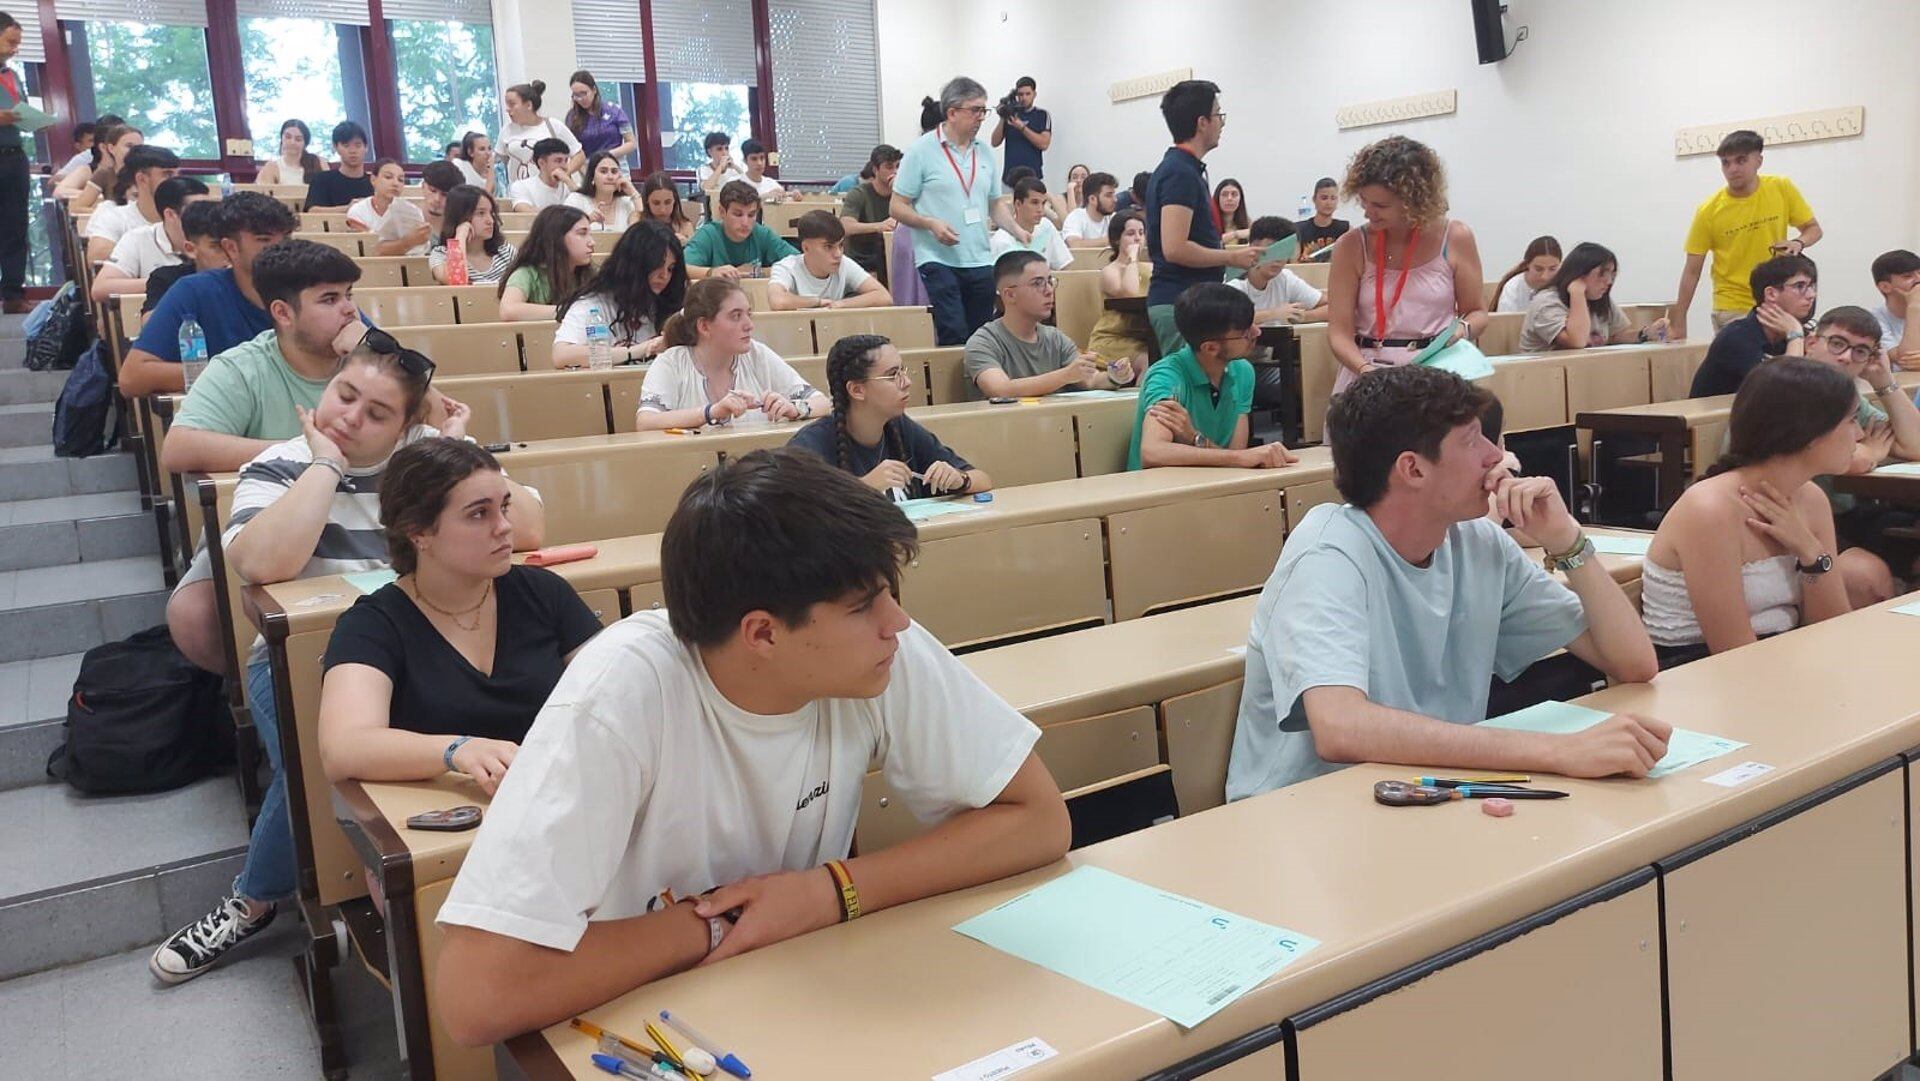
column 870, row 434
column 470, row 226
column 822, row 276
column 445, row 668
column 1377, row 637
column 1018, row 355
column 1576, row 311
column 1747, row 551
column 147, row 248
column 713, row 372
column 1119, row 335
column 553, row 265
column 1785, row 289
column 1029, row 210
column 690, row 789
column 550, row 183
column 735, row 244
column 1194, row 403
column 639, row 287
column 1280, row 297
column 1534, row 272
column 199, row 245
column 607, row 195
column 304, row 508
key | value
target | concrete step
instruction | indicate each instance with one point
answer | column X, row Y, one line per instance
column 26, row 425
column 75, row 529
column 18, row 385
column 35, row 473
column 33, row 710
column 86, row 876
column 48, row 611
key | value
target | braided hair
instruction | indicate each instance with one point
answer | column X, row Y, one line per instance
column 849, row 361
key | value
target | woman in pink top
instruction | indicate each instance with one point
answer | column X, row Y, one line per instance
column 1401, row 280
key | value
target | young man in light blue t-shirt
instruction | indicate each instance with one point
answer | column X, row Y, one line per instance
column 1376, row 638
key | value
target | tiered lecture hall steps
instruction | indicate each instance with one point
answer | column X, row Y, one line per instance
column 88, row 885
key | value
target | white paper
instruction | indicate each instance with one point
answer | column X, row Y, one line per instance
column 1739, row 775
column 1002, row 1063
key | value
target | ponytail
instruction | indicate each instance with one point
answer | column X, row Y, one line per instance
column 704, row 299
column 1539, row 246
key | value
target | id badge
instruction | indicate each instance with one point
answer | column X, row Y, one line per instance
column 973, row 215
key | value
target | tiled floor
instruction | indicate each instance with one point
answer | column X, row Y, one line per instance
column 36, row 690
column 55, row 837
column 80, row 581
column 69, row 508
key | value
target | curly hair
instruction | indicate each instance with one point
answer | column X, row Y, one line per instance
column 1405, row 167
column 1389, row 411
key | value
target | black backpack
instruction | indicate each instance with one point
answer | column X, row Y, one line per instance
column 86, row 418
column 65, row 334
column 142, row 718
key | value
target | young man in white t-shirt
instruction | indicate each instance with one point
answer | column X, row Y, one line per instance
column 402, row 235
column 1086, row 226
column 550, row 183
column 755, row 153
column 690, row 790
column 1030, row 213
column 147, row 248
column 1896, row 274
column 821, row 276
column 1279, row 295
column 719, row 168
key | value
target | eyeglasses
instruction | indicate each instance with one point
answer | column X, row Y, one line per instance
column 974, row 110
column 1801, row 287
column 1251, row 334
column 411, row 361
column 1042, row 284
column 897, row 376
column 1841, row 347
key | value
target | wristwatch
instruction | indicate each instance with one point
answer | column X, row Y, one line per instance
column 1821, row 565
column 1572, row 559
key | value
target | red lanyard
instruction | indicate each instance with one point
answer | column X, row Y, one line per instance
column 1381, row 309
column 7, row 80
column 973, row 166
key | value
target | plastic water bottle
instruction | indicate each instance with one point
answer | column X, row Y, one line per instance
column 457, row 272
column 226, row 186
column 599, row 340
column 1306, row 208
column 193, row 351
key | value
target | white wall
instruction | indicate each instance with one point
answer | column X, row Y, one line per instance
column 1572, row 135
column 533, row 39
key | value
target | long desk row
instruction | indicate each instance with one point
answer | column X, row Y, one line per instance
column 1638, row 929
column 1170, row 706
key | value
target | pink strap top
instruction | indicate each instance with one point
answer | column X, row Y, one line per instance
column 1425, row 307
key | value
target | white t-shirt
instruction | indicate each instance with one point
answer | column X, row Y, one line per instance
column 674, row 382
column 469, row 174
column 1516, row 296
column 362, row 211
column 516, row 143
column 401, row 219
column 1046, row 240
column 1892, row 327
column 144, row 250
column 1285, row 288
column 638, row 776
column 573, row 325
column 766, row 186
column 1081, row 226
column 115, row 220
column 705, row 172
column 617, row 218
column 537, row 194
column 792, row 275
column 84, row 159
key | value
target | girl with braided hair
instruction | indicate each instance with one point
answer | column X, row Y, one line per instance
column 869, row 433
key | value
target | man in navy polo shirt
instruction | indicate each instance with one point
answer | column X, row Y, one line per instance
column 1182, row 240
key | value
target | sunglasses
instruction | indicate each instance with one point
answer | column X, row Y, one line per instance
column 411, row 361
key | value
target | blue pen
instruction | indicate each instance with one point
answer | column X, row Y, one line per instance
column 1484, row 791
column 726, row 1059
column 616, row 1065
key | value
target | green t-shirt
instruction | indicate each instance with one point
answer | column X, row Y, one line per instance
column 533, row 284
column 710, row 247
column 1866, row 414
column 1216, row 411
column 249, row 391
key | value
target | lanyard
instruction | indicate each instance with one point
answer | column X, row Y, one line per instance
column 973, row 166
column 1381, row 309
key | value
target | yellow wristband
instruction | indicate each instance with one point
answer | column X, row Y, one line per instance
column 849, row 896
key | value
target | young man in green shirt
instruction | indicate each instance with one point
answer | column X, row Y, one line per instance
column 735, row 245
column 1194, row 401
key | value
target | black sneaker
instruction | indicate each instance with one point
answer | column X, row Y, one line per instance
column 193, row 949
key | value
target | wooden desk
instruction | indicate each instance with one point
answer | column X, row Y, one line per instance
column 1889, row 487
column 1473, row 882
column 1699, row 423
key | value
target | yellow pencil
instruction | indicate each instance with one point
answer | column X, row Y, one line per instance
column 654, row 1034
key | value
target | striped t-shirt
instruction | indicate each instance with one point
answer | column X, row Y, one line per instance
column 477, row 273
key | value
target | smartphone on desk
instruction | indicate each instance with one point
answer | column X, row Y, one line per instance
column 446, row 820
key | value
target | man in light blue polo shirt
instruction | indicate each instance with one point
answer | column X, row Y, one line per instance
column 1377, row 637
column 944, row 193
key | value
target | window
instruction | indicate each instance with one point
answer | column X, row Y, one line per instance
column 445, row 74
column 704, row 50
column 826, row 91
column 154, row 74
column 296, row 54
column 688, row 111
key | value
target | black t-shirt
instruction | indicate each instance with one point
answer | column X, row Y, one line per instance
column 1181, row 180
column 161, row 280
column 922, row 449
column 1308, row 232
column 331, row 188
column 438, row 691
column 1738, row 349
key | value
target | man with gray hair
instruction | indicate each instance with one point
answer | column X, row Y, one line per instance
column 944, row 193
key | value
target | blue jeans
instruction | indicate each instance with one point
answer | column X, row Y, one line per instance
column 268, row 874
column 962, row 300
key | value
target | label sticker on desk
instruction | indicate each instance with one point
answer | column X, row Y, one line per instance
column 1739, row 775
column 1238, row 651
column 1911, row 608
column 1002, row 1063
column 317, row 599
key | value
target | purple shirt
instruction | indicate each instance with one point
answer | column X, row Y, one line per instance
column 602, row 130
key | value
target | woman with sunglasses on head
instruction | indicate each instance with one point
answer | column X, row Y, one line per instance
column 304, row 508
column 446, row 667
column 869, row 433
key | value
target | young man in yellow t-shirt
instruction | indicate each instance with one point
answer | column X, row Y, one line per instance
column 1743, row 224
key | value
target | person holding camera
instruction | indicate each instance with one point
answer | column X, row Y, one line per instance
column 1026, row 130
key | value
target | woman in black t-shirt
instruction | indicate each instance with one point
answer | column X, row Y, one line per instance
column 445, row 668
column 869, row 433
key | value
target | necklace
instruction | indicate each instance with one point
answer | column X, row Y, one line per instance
column 485, row 594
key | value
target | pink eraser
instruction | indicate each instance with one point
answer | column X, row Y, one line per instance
column 1497, row 807
column 564, row 553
